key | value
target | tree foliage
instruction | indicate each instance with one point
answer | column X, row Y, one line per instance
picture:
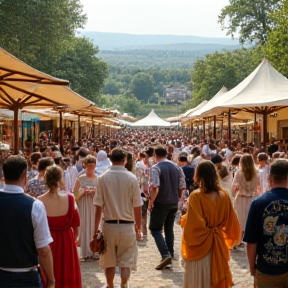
column 142, row 86
column 35, row 30
column 251, row 19
column 276, row 48
column 42, row 34
column 222, row 69
column 80, row 65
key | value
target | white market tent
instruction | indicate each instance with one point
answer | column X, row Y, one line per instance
column 210, row 108
column 265, row 86
column 151, row 120
column 264, row 91
column 195, row 109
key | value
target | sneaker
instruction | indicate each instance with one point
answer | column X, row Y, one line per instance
column 166, row 261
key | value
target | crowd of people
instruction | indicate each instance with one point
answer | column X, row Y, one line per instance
column 223, row 195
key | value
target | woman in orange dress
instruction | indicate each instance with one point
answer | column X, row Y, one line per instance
column 210, row 228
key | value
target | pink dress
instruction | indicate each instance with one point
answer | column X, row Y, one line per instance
column 245, row 194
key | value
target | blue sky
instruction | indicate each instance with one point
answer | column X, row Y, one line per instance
column 177, row 17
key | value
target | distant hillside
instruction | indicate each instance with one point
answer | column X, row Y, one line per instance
column 111, row 41
column 162, row 56
column 163, row 51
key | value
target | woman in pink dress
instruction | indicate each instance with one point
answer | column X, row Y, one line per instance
column 245, row 187
column 63, row 220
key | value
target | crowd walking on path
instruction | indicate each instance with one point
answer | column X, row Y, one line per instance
column 135, row 186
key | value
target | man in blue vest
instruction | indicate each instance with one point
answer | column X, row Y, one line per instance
column 167, row 183
column 25, row 235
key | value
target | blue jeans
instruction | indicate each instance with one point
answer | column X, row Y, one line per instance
column 20, row 279
column 163, row 215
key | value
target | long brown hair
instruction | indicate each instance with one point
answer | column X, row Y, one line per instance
column 248, row 167
column 206, row 177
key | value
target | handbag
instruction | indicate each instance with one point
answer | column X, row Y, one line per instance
column 98, row 243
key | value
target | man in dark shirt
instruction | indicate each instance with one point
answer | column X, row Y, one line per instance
column 167, row 183
column 273, row 147
column 187, row 169
column 266, row 231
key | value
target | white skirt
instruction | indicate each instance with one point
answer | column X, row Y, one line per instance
column 198, row 273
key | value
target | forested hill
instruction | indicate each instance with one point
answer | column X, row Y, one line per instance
column 111, row 41
column 162, row 51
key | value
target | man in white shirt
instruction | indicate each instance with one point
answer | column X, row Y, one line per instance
column 25, row 235
column 119, row 194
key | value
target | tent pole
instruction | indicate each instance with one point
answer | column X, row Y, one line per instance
column 222, row 124
column 265, row 127
column 92, row 132
column 214, row 130
column 79, row 127
column 229, row 127
column 204, row 129
column 16, row 131
column 61, row 132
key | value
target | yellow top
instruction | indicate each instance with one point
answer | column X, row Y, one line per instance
column 211, row 224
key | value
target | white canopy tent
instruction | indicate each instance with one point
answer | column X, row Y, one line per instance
column 195, row 109
column 209, row 108
column 151, row 120
column 264, row 91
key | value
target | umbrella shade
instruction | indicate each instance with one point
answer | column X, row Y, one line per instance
column 23, row 86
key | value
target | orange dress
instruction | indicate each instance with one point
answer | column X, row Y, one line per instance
column 210, row 227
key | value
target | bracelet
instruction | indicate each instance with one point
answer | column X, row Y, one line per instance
column 50, row 282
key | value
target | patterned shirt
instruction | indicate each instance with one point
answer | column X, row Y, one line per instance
column 36, row 187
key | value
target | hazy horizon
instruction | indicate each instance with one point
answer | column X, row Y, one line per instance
column 150, row 17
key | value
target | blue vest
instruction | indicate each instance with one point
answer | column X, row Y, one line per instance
column 17, row 246
column 169, row 183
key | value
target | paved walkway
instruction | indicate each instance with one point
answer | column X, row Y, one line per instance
column 147, row 276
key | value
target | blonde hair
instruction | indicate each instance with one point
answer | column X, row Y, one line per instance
column 248, row 167
column 53, row 176
column 206, row 177
column 89, row 159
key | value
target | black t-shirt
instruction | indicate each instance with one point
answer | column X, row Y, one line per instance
column 267, row 225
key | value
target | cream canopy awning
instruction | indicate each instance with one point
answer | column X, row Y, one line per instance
column 190, row 112
column 265, row 86
column 211, row 107
column 23, row 86
column 151, row 120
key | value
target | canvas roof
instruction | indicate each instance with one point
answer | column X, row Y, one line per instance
column 151, row 120
column 195, row 109
column 211, row 107
column 265, row 86
column 23, row 86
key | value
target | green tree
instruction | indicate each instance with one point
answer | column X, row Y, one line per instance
column 84, row 70
column 142, row 86
column 36, row 30
column 251, row 19
column 111, row 87
column 131, row 106
column 222, row 69
column 276, row 48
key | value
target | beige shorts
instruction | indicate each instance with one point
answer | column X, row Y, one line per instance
column 262, row 280
column 122, row 250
